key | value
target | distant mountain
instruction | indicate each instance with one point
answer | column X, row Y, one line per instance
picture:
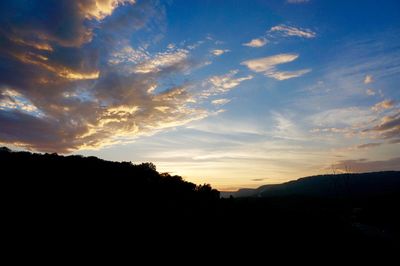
column 329, row 186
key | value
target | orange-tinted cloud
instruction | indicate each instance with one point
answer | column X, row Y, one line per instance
column 63, row 88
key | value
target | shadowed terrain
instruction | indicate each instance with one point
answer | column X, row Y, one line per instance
column 54, row 197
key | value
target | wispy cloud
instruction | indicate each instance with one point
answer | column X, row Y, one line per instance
column 370, row 92
column 255, row 43
column 289, row 31
column 388, row 127
column 218, row 52
column 369, row 145
column 220, row 101
column 267, row 65
column 348, row 121
column 368, row 79
column 162, row 60
column 386, row 104
column 286, row 128
column 360, row 123
column 283, row 75
column 223, row 83
column 128, row 54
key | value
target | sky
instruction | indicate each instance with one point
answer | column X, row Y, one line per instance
column 232, row 93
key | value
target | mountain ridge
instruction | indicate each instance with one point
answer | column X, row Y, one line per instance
column 332, row 185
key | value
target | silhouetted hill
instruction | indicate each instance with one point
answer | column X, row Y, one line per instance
column 354, row 185
column 57, row 185
column 89, row 201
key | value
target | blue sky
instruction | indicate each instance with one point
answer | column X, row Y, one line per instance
column 231, row 93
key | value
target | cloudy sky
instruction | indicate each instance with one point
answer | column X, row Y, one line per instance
column 233, row 93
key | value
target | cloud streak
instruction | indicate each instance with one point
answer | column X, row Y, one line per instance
column 388, row 127
column 369, row 145
column 289, row 31
column 384, row 105
column 256, row 43
column 224, row 83
column 220, row 101
column 267, row 65
column 218, row 52
column 283, row 75
column 162, row 61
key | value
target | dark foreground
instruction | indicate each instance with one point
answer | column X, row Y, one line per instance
column 74, row 204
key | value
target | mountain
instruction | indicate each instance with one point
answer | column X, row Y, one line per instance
column 354, row 185
column 85, row 201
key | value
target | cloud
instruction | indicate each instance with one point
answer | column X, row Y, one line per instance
column 329, row 130
column 289, row 31
column 258, row 179
column 279, row 31
column 255, row 43
column 286, row 128
column 388, row 127
column 288, row 74
column 369, row 145
column 394, row 141
column 36, row 27
column 368, row 79
column 358, row 122
column 267, row 65
column 69, row 89
column 163, row 60
column 386, row 104
column 370, row 92
column 13, row 100
column 350, row 121
column 128, row 54
column 297, row 1
column 220, row 101
column 363, row 165
column 388, row 123
column 99, row 9
column 224, row 83
column 218, row 52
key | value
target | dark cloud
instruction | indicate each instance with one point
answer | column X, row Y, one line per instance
column 59, row 91
column 394, row 141
column 40, row 22
column 389, row 127
column 364, row 165
column 258, row 179
column 36, row 133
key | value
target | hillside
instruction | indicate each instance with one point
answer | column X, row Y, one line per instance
column 68, row 197
column 89, row 185
column 354, row 185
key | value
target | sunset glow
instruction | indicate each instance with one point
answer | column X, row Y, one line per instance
column 231, row 93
